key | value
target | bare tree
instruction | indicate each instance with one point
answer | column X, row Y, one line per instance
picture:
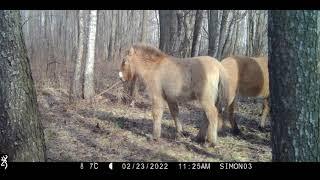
column 213, row 32
column 225, row 33
column 196, row 33
column 256, row 33
column 21, row 130
column 170, row 30
column 111, row 39
column 225, row 27
column 232, row 34
column 88, row 88
column 77, row 91
column 185, row 46
column 144, row 26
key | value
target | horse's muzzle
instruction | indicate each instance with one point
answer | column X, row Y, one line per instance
column 121, row 76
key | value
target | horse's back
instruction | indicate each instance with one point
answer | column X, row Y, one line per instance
column 176, row 78
column 189, row 78
column 205, row 67
column 209, row 63
column 248, row 75
column 208, row 76
column 202, row 65
column 231, row 66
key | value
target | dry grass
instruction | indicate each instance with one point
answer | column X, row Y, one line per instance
column 107, row 130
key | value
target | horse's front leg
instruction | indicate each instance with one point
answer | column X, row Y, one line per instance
column 132, row 91
column 157, row 111
column 265, row 113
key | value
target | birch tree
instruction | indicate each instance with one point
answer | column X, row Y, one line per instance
column 77, row 91
column 88, row 90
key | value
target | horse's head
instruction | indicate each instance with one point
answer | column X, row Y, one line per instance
column 127, row 72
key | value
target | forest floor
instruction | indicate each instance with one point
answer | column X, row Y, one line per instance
column 108, row 130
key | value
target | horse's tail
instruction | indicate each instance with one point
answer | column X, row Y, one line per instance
column 223, row 90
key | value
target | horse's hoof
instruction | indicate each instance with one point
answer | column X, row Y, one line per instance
column 152, row 138
column 179, row 136
column 199, row 139
column 236, row 132
column 149, row 137
column 132, row 104
column 185, row 133
column 262, row 129
column 208, row 145
column 182, row 134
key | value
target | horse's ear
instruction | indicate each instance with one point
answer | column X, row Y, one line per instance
column 131, row 51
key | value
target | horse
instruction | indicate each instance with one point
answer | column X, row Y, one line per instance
column 248, row 77
column 176, row 80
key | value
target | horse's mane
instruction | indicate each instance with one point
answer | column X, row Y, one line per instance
column 148, row 52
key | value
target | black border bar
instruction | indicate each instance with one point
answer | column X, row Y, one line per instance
column 268, row 169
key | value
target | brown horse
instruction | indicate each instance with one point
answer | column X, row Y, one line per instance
column 172, row 80
column 248, row 77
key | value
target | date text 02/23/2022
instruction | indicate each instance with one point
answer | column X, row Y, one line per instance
column 144, row 165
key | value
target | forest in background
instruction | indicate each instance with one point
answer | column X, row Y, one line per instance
column 52, row 38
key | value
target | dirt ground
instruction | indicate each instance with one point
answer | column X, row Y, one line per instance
column 108, row 130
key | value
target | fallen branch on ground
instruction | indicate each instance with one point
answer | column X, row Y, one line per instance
column 108, row 89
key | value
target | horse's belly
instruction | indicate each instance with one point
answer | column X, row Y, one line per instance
column 178, row 87
column 252, row 90
column 253, row 85
column 186, row 97
column 179, row 94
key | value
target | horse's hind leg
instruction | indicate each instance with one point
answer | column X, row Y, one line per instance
column 202, row 134
column 232, row 120
column 265, row 113
column 212, row 128
column 174, row 110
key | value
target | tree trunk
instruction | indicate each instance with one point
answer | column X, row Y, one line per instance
column 117, row 36
column 227, row 43
column 88, row 89
column 111, row 41
column 165, row 17
column 21, row 130
column 65, row 50
column 213, row 27
column 250, row 33
column 144, row 26
column 224, row 33
column 256, row 33
column 196, row 33
column 185, row 46
column 295, row 85
column 170, row 31
column 76, row 91
column 235, row 49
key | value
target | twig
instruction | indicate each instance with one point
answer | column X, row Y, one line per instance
column 94, row 102
column 108, row 88
column 94, row 98
column 57, row 62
